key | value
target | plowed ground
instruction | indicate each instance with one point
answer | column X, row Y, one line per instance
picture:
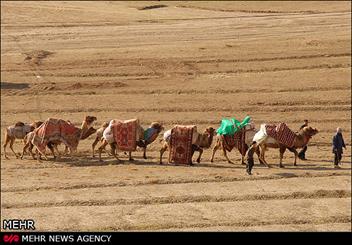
column 180, row 63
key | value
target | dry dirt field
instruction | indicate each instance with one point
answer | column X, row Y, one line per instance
column 178, row 63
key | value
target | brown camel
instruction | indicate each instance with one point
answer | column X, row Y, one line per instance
column 199, row 142
column 142, row 141
column 220, row 144
column 301, row 139
column 82, row 133
column 18, row 131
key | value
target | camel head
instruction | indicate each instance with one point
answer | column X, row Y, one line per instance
column 89, row 120
column 36, row 124
column 105, row 125
column 88, row 133
column 309, row 131
column 158, row 126
column 210, row 131
column 86, row 127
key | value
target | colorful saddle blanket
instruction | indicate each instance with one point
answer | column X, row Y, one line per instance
column 125, row 134
column 238, row 140
column 56, row 129
column 181, row 144
column 281, row 133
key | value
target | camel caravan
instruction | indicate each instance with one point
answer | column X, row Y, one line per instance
column 182, row 141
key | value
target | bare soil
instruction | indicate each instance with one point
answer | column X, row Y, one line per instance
column 178, row 63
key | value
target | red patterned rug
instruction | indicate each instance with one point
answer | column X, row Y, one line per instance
column 281, row 133
column 236, row 141
column 181, row 144
column 56, row 129
column 125, row 133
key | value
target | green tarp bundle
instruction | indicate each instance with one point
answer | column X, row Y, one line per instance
column 231, row 126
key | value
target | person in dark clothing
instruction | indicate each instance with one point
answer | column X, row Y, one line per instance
column 337, row 144
column 302, row 153
column 249, row 157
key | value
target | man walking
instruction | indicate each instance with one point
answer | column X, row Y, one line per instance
column 302, row 153
column 249, row 157
column 337, row 144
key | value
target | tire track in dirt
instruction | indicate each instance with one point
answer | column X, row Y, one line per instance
column 137, row 62
column 171, row 122
column 294, row 57
column 283, row 13
column 50, row 89
column 249, row 223
column 178, row 73
column 217, row 179
column 269, row 108
column 186, row 199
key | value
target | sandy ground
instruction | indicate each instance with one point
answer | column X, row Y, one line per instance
column 178, row 63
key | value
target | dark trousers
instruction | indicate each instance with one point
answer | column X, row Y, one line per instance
column 338, row 157
column 302, row 153
column 250, row 164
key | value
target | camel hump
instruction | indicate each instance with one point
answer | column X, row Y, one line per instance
column 19, row 124
column 156, row 125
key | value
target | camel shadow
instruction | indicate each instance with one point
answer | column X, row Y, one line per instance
column 7, row 85
column 306, row 167
column 327, row 168
column 330, row 161
column 85, row 161
column 287, row 175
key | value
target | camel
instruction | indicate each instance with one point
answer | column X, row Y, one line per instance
column 99, row 136
column 82, row 133
column 200, row 141
column 154, row 129
column 250, row 132
column 18, row 131
column 301, row 139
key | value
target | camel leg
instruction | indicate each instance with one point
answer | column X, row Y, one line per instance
column 25, row 148
column 225, row 154
column 262, row 156
column 200, row 154
column 282, row 151
column 7, row 140
column 246, row 148
column 11, row 147
column 38, row 156
column 296, row 155
column 216, row 147
column 51, row 148
column 145, row 152
column 66, row 150
column 257, row 151
column 113, row 151
column 108, row 153
column 93, row 145
column 242, row 158
column 31, row 150
column 162, row 150
column 130, row 156
column 58, row 152
column 101, row 148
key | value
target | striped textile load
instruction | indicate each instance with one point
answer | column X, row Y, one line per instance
column 238, row 140
column 56, row 129
column 281, row 133
column 181, row 144
column 125, row 134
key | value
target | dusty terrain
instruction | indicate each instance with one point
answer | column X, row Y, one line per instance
column 178, row 63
